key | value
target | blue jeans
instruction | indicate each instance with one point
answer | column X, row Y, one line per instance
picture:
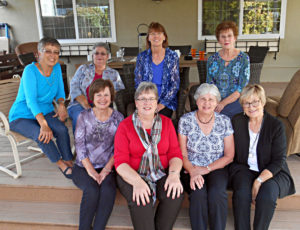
column 74, row 112
column 31, row 129
column 97, row 200
column 233, row 108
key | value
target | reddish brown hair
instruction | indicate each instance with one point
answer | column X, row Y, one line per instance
column 227, row 25
column 157, row 27
column 99, row 85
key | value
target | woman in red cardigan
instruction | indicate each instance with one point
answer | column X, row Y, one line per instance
column 148, row 161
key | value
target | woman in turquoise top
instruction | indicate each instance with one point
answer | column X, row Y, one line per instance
column 228, row 69
column 32, row 114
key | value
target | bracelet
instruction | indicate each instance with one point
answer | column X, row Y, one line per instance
column 259, row 180
column 208, row 168
column 107, row 170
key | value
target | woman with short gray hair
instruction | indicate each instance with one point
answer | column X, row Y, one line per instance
column 84, row 77
column 148, row 161
column 206, row 142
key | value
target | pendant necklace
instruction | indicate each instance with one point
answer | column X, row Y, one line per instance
column 205, row 123
column 49, row 83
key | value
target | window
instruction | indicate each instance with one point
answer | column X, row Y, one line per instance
column 77, row 21
column 256, row 19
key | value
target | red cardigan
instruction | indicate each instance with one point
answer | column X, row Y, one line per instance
column 129, row 148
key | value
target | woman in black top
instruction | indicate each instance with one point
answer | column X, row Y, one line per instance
column 259, row 173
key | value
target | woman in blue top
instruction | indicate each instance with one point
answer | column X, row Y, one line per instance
column 32, row 114
column 160, row 65
column 228, row 69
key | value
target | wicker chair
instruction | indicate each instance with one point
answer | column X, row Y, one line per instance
column 125, row 98
column 201, row 66
column 255, row 71
column 257, row 54
column 184, row 50
column 27, row 52
column 287, row 109
column 131, row 51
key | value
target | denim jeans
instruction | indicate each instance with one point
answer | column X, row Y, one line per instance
column 97, row 200
column 31, row 129
column 74, row 112
column 233, row 108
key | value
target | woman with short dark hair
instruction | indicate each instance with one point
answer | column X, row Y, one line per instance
column 93, row 171
column 33, row 115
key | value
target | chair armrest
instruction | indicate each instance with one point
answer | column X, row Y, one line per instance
column 272, row 106
column 4, row 125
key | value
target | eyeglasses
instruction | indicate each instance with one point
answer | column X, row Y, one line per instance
column 155, row 33
column 55, row 52
column 146, row 99
column 100, row 53
column 253, row 103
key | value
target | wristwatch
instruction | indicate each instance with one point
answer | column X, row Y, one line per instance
column 259, row 180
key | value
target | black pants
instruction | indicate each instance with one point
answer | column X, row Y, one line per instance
column 97, row 200
column 242, row 196
column 145, row 217
column 167, row 112
column 208, row 204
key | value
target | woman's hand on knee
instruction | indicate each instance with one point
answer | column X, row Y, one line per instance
column 45, row 135
column 173, row 185
column 141, row 192
column 196, row 180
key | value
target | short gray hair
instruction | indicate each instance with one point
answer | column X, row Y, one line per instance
column 206, row 88
column 47, row 41
column 101, row 44
column 144, row 87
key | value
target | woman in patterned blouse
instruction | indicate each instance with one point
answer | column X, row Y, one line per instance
column 228, row 69
column 84, row 77
column 206, row 142
column 160, row 65
column 94, row 142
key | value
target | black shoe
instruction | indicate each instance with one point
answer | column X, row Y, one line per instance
column 68, row 176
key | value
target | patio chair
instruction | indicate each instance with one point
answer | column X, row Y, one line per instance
column 257, row 54
column 184, row 50
column 8, row 92
column 27, row 52
column 287, row 109
column 131, row 51
column 255, row 71
column 125, row 98
column 201, row 66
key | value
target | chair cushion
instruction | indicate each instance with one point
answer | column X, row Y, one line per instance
column 290, row 96
column 271, row 107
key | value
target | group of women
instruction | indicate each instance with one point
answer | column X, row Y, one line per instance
column 142, row 154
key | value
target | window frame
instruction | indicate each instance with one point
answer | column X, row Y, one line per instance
column 78, row 40
column 240, row 26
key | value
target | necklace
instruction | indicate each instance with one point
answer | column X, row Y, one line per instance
column 49, row 83
column 202, row 122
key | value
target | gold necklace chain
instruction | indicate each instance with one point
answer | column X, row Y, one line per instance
column 49, row 83
column 205, row 123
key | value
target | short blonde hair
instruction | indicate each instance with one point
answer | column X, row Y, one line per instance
column 254, row 89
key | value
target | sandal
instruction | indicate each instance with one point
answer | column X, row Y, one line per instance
column 68, row 176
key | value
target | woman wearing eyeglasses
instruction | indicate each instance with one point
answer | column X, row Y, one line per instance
column 32, row 114
column 259, row 173
column 148, row 161
column 160, row 65
column 84, row 77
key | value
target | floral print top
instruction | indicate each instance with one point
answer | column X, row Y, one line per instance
column 233, row 77
column 204, row 149
column 170, row 80
column 94, row 139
